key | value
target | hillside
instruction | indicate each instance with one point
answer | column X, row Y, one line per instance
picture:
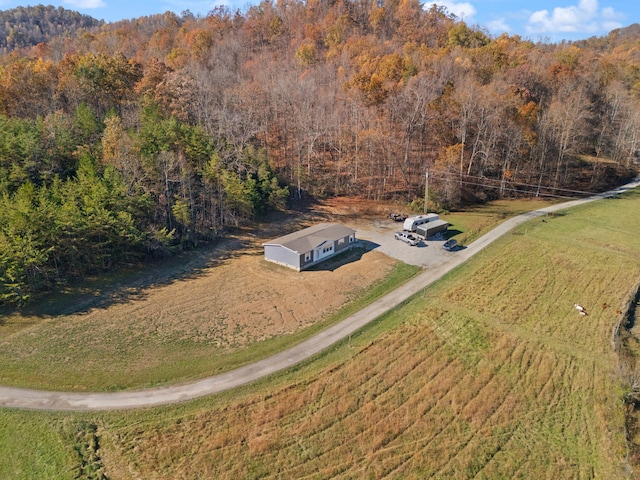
column 150, row 136
column 622, row 44
column 28, row 26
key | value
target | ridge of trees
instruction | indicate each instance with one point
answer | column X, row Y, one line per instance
column 27, row 26
column 149, row 135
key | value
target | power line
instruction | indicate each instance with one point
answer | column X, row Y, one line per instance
column 464, row 180
column 537, row 186
column 509, row 189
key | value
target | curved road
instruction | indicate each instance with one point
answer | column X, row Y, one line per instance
column 47, row 400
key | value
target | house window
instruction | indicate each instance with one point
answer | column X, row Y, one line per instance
column 351, row 238
column 307, row 257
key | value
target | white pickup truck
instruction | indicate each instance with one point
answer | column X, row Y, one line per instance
column 407, row 238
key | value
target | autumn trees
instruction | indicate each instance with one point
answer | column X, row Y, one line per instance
column 152, row 134
column 104, row 172
column 26, row 26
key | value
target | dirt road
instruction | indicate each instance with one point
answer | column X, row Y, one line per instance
column 46, row 400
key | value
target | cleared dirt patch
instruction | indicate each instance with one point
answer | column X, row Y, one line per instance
column 171, row 321
column 240, row 301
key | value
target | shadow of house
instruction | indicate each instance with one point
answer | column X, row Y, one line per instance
column 337, row 261
column 451, row 232
column 307, row 247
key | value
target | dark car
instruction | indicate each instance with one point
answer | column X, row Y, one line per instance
column 450, row 245
column 397, row 217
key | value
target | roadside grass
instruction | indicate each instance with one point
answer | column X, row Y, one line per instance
column 33, row 446
column 471, row 223
column 489, row 373
column 85, row 358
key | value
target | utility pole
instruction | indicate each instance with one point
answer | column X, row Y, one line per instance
column 426, row 192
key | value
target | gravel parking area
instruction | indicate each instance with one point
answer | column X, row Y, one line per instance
column 380, row 235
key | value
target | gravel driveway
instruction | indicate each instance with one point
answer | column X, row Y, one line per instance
column 380, row 234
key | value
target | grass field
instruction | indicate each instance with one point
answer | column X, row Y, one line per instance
column 34, row 446
column 202, row 320
column 226, row 316
column 473, row 222
column 490, row 373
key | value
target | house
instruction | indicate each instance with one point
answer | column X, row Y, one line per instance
column 307, row 247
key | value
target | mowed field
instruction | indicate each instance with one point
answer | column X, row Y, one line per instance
column 490, row 373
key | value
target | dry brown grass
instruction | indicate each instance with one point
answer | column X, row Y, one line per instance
column 172, row 329
column 490, row 374
column 412, row 412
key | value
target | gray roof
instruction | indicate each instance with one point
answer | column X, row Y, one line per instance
column 309, row 238
column 433, row 224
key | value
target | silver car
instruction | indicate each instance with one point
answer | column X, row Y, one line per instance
column 407, row 238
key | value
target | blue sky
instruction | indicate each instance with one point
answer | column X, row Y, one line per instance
column 546, row 20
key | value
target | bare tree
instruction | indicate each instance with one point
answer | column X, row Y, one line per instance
column 565, row 123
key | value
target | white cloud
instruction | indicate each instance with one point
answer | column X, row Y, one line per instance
column 586, row 16
column 85, row 3
column 499, row 26
column 199, row 6
column 463, row 10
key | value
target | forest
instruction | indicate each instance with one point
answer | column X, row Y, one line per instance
column 25, row 26
column 130, row 140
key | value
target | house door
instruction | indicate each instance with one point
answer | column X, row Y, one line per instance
column 324, row 250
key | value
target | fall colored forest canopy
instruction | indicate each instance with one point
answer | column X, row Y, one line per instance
column 133, row 139
column 26, row 26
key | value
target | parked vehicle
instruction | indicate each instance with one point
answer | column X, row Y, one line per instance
column 432, row 229
column 397, row 217
column 411, row 223
column 450, row 245
column 407, row 238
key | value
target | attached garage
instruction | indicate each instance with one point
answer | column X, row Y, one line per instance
column 312, row 245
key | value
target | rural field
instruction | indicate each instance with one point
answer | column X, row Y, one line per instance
column 489, row 373
column 186, row 321
column 198, row 314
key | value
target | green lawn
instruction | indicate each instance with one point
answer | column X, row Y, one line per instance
column 35, row 446
column 471, row 223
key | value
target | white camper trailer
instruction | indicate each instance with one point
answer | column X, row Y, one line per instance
column 411, row 223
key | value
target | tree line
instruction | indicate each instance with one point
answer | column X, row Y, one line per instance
column 144, row 136
column 26, row 26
